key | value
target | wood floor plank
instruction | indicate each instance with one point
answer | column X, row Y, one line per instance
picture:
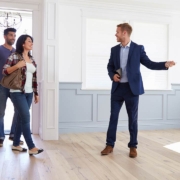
column 28, row 168
column 62, row 168
column 176, row 176
column 46, row 169
column 148, row 152
column 77, row 156
column 113, row 168
column 156, row 147
column 2, row 156
column 159, row 137
column 11, row 167
column 83, row 171
column 131, row 166
column 102, row 171
column 151, row 160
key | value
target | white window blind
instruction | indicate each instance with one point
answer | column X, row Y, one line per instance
column 100, row 37
column 154, row 37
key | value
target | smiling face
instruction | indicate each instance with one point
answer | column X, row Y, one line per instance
column 10, row 38
column 120, row 35
column 28, row 44
column 123, row 33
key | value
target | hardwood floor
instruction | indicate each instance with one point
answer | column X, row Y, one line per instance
column 77, row 157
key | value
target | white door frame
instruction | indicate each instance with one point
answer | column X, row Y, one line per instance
column 50, row 84
column 44, row 30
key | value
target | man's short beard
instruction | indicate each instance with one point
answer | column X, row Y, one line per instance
column 10, row 43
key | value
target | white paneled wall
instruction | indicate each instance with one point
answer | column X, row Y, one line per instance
column 75, row 40
column 89, row 110
column 60, row 50
column 70, row 48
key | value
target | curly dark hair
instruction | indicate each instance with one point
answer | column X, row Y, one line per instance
column 19, row 44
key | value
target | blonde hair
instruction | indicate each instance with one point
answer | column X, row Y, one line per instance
column 125, row 27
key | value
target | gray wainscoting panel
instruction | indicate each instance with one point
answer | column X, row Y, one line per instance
column 74, row 107
column 103, row 109
column 173, row 106
column 89, row 110
column 151, row 107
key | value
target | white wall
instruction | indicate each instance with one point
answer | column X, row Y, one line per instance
column 89, row 109
column 66, row 40
column 71, row 32
column 174, row 52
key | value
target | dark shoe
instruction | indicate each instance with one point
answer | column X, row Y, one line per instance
column 107, row 150
column 15, row 148
column 35, row 152
column 1, row 142
column 133, row 152
column 11, row 139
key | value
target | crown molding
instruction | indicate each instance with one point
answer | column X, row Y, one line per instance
column 26, row 5
column 126, row 5
column 23, row 1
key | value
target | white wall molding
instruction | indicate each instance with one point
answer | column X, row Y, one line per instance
column 127, row 14
column 132, row 6
column 158, row 109
column 50, row 78
column 27, row 6
column 23, row 1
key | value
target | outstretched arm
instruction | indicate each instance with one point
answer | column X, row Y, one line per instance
column 154, row 65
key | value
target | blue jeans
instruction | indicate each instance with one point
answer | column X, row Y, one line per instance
column 14, row 122
column 22, row 103
column 4, row 94
column 122, row 94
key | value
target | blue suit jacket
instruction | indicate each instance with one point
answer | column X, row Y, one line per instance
column 136, row 56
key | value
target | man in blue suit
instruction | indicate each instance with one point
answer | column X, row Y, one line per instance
column 128, row 85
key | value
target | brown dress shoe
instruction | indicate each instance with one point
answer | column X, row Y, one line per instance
column 107, row 150
column 133, row 152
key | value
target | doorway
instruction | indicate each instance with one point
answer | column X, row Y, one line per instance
column 24, row 26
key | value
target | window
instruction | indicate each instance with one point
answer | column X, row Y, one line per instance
column 25, row 28
column 154, row 37
column 100, row 37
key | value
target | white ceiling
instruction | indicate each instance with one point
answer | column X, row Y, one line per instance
column 168, row 5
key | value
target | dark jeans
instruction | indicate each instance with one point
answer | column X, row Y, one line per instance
column 14, row 122
column 121, row 94
column 22, row 103
column 4, row 94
